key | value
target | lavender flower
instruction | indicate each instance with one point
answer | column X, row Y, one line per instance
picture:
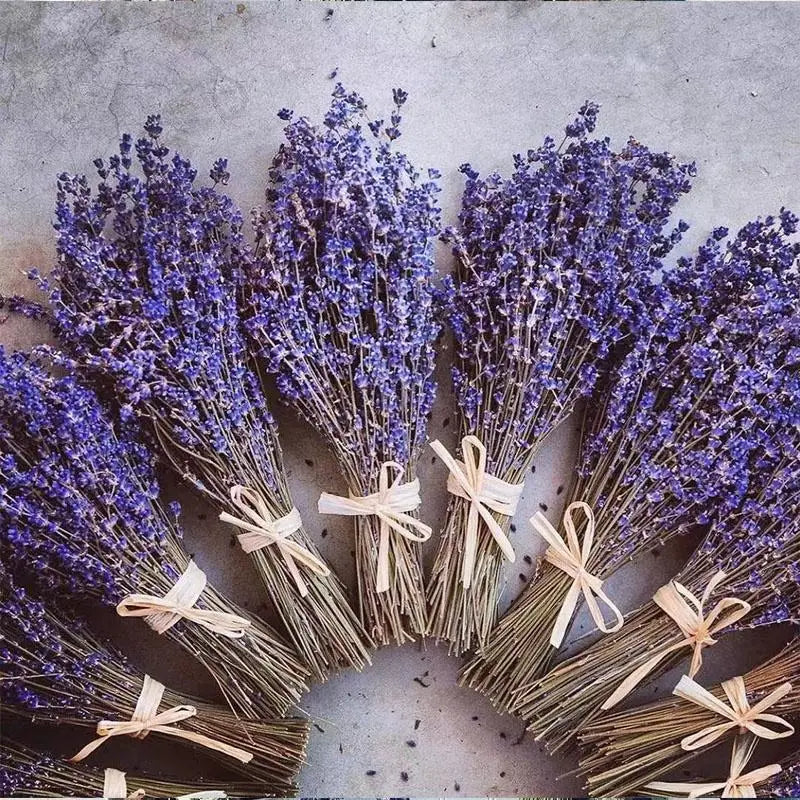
column 79, row 506
column 553, row 269
column 340, row 308
column 143, row 298
column 54, row 670
column 699, row 402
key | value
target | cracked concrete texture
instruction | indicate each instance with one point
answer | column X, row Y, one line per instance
column 711, row 82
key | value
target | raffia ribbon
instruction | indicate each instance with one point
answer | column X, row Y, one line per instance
column 161, row 613
column 572, row 557
column 261, row 530
column 115, row 786
column 485, row 492
column 389, row 504
column 146, row 718
column 737, row 784
column 739, row 714
column 688, row 612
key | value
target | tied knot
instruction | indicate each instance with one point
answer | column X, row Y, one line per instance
column 390, row 505
column 146, row 718
column 115, row 786
column 739, row 715
column 738, row 783
column 486, row 494
column 261, row 529
column 161, row 613
column 697, row 627
column 572, row 557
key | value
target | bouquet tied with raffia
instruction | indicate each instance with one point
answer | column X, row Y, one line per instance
column 143, row 300
column 550, row 266
column 339, row 307
column 79, row 506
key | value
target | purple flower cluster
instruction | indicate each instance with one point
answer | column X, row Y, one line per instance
column 50, row 668
column 705, row 395
column 552, row 264
column 340, row 297
column 144, row 300
column 340, row 307
column 78, row 499
column 142, row 296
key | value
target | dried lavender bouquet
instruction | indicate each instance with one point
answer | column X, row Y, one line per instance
column 54, row 670
column 142, row 297
column 747, row 289
column 665, row 449
column 25, row 772
column 339, row 306
column 550, row 262
column 79, row 505
column 627, row 750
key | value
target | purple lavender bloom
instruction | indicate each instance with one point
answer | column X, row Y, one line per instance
column 340, row 307
column 49, row 669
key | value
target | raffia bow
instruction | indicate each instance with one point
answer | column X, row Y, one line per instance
column 147, row 718
column 261, row 530
column 737, row 784
column 161, row 613
column 115, row 786
column 739, row 715
column 572, row 557
column 389, row 504
column 485, row 492
column 688, row 613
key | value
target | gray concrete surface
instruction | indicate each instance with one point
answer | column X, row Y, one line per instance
column 712, row 82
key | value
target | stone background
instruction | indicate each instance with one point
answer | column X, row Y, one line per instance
column 712, row 82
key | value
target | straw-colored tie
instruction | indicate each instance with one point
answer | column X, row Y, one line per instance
column 389, row 504
column 261, row 530
column 739, row 715
column 737, row 783
column 147, row 718
column 161, row 613
column 699, row 629
column 115, row 786
column 572, row 557
column 485, row 493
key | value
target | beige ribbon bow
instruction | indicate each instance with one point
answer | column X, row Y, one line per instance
column 260, row 531
column 486, row 493
column 737, row 784
column 572, row 557
column 738, row 715
column 161, row 613
column 389, row 505
column 146, row 718
column 688, row 612
column 115, row 786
